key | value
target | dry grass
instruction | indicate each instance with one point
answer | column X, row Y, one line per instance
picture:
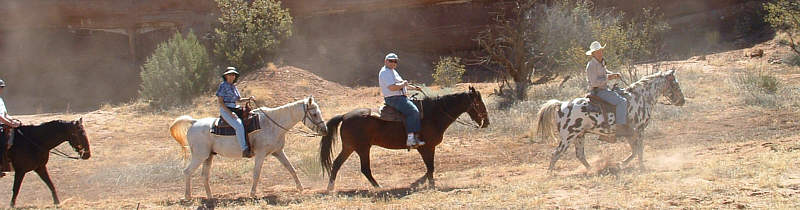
column 717, row 151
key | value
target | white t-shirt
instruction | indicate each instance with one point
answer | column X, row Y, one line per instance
column 388, row 77
column 2, row 107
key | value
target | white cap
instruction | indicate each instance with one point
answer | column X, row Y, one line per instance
column 595, row 46
column 391, row 56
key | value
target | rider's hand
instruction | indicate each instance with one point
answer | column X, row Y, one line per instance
column 404, row 83
column 15, row 123
column 614, row 76
column 252, row 98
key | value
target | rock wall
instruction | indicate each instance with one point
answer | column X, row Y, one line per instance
column 78, row 54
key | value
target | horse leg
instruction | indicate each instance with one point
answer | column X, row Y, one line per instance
column 18, row 176
column 281, row 156
column 632, row 142
column 207, row 174
column 363, row 154
column 338, row 164
column 187, row 173
column 579, row 152
column 562, row 146
column 640, row 151
column 42, row 171
column 257, row 172
column 427, row 157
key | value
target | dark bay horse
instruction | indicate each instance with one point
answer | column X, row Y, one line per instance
column 32, row 145
column 360, row 130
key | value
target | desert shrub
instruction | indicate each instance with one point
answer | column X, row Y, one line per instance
column 784, row 15
column 567, row 28
column 249, row 32
column 177, row 71
column 759, row 87
column 448, row 71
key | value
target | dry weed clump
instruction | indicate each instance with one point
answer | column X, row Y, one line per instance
column 760, row 87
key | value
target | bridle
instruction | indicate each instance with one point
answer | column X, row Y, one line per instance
column 473, row 105
column 306, row 110
column 55, row 151
column 670, row 88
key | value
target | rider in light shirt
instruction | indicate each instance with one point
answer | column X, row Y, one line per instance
column 394, row 89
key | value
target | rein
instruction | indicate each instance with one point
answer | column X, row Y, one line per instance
column 305, row 115
column 57, row 152
column 455, row 119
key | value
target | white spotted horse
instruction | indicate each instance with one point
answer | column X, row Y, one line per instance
column 568, row 122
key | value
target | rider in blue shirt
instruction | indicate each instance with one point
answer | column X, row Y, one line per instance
column 227, row 96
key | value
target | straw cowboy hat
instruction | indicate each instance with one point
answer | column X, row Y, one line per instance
column 231, row 70
column 595, row 47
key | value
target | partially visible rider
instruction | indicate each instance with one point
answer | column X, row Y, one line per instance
column 598, row 76
column 8, row 123
column 228, row 95
column 394, row 90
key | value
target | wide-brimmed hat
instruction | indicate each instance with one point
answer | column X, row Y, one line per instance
column 231, row 70
column 595, row 46
column 391, row 56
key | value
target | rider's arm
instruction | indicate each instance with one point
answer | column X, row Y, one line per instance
column 6, row 120
column 398, row 86
column 246, row 99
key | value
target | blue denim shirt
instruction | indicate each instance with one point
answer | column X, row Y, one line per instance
column 229, row 94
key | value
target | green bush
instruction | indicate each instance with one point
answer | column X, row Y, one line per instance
column 250, row 32
column 448, row 71
column 566, row 28
column 177, row 71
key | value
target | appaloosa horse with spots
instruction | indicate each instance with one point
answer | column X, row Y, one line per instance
column 567, row 122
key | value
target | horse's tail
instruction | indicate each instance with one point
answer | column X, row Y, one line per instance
column 178, row 130
column 547, row 125
column 326, row 144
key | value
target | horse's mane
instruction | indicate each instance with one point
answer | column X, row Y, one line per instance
column 644, row 81
column 52, row 125
column 439, row 101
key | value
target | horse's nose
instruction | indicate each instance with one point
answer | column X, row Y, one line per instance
column 86, row 155
column 485, row 123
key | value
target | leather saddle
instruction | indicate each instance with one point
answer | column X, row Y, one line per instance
column 389, row 113
column 251, row 123
column 598, row 105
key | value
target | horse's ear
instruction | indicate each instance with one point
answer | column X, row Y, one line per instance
column 671, row 72
column 471, row 89
column 310, row 99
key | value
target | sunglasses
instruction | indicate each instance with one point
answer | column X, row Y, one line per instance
column 392, row 61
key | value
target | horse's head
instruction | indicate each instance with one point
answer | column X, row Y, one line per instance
column 78, row 139
column 673, row 89
column 477, row 111
column 313, row 117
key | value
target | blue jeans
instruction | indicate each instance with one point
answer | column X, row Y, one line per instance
column 621, row 115
column 405, row 106
column 237, row 125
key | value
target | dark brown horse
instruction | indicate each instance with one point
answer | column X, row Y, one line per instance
column 360, row 131
column 32, row 145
